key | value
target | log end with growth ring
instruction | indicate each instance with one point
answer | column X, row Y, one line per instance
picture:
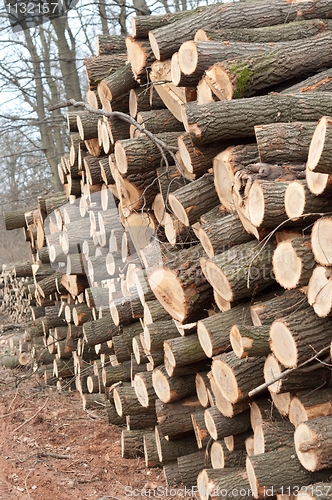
column 178, row 209
column 219, row 80
column 256, row 204
column 188, row 57
column 120, row 158
column 283, row 345
column 169, row 292
column 204, row 488
column 161, row 386
column 320, row 291
column 304, row 435
column 287, row 265
column 218, row 280
column 316, row 182
column 154, row 45
column 295, row 200
column 317, row 143
column 141, row 390
column 204, row 339
column 271, row 371
column 226, row 380
column 253, row 480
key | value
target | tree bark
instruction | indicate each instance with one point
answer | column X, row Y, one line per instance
column 284, row 142
column 190, row 466
column 169, row 389
column 212, row 483
column 224, row 120
column 174, row 419
column 132, row 443
column 250, row 341
column 264, row 313
column 220, row 426
column 270, row 436
column 320, row 154
column 100, row 67
column 305, row 406
column 100, row 330
column 183, row 350
column 221, row 457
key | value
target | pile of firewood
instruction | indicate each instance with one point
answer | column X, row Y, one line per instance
column 183, row 280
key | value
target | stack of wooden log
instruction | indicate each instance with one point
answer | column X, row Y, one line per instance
column 181, row 272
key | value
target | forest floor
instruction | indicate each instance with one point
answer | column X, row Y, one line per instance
column 39, row 425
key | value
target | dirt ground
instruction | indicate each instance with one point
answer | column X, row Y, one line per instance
column 38, row 425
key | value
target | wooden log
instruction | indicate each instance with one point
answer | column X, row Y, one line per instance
column 200, row 430
column 117, row 83
column 320, row 241
column 269, row 436
column 263, row 410
column 279, row 33
column 159, row 119
column 224, row 120
column 144, row 388
column 215, row 482
column 299, row 379
column 99, row 331
column 140, row 57
column 174, row 419
column 228, row 16
column 220, row 230
column 297, row 337
column 150, row 450
column 315, row 491
column 263, row 474
column 231, row 375
column 110, row 44
column 202, row 383
column 293, row 263
column 190, row 466
column 132, row 443
column 201, row 191
column 235, row 273
column 281, row 142
column 279, row 305
column 250, row 341
column 171, row 474
column 168, row 451
column 214, row 331
column 183, row 351
column 313, row 443
column 87, row 125
column 196, row 57
column 220, row 426
column 169, row 389
column 114, row 374
column 141, row 421
column 225, row 166
column 300, row 201
column 245, row 74
column 126, row 402
column 143, row 100
column 156, row 333
column 180, row 286
column 305, row 406
column 221, row 457
column 197, row 160
column 141, row 154
column 100, row 67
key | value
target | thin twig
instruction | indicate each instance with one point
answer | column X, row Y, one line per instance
column 25, row 483
column 33, row 416
column 54, row 455
column 284, row 374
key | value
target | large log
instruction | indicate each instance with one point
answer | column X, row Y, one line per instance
column 279, row 305
column 213, row 483
column 269, row 436
column 246, row 74
column 278, row 33
column 224, row 120
column 174, row 419
column 237, row 15
column 305, row 406
column 99, row 67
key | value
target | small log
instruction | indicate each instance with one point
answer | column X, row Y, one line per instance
column 168, row 451
column 253, row 270
column 214, row 331
column 197, row 160
column 215, row 482
column 277, row 469
column 132, row 443
column 171, row 474
column 159, row 119
column 232, row 375
column 101, row 330
column 126, row 402
column 181, row 200
column 221, row 457
column 305, row 406
column 189, row 467
column 183, row 351
column 298, row 336
column 319, row 157
column 313, row 443
column 263, row 410
column 100, row 67
column 144, row 389
column 320, row 241
column 224, row 119
column 293, row 263
column 226, row 164
column 269, row 436
column 150, row 450
column 264, row 313
column 174, row 418
column 250, row 341
column 300, row 380
column 169, row 389
column 200, row 430
column 220, row 426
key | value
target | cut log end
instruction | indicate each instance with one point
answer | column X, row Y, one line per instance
column 295, row 200
column 256, row 204
column 178, row 209
column 161, row 386
column 120, row 158
column 253, row 481
column 154, row 45
column 169, row 292
column 287, row 265
column 188, row 57
column 272, row 370
column 239, row 344
column 218, row 280
column 317, row 143
column 316, row 182
column 321, row 240
column 219, row 81
column 283, row 345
